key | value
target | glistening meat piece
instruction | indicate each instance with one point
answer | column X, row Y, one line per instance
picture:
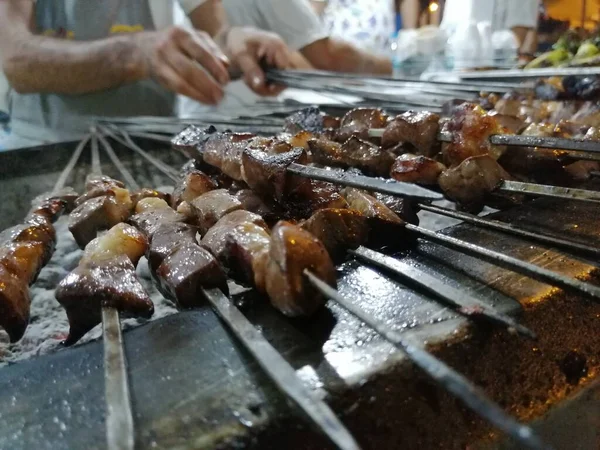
column 471, row 127
column 338, row 230
column 93, row 215
column 416, row 169
column 252, row 202
column 14, row 305
column 53, row 202
column 105, row 277
column 299, row 139
column 405, row 209
column 91, row 286
column 213, row 205
column 310, row 119
column 469, row 183
column 188, row 270
column 417, row 128
column 149, row 193
column 32, row 232
column 357, row 122
column 365, row 156
column 23, row 259
column 166, row 238
column 240, row 240
column 100, row 185
column 224, row 151
column 191, row 185
column 385, row 225
column 293, row 250
column 267, row 174
column 188, row 140
column 151, row 212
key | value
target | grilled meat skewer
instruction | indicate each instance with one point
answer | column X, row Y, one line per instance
column 105, row 277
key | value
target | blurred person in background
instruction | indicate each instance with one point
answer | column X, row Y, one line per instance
column 313, row 47
column 368, row 24
column 519, row 16
column 68, row 61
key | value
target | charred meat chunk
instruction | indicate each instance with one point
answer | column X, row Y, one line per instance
column 471, row 127
column 469, row 183
column 191, row 185
column 405, row 209
column 417, row 128
column 122, row 239
column 224, row 151
column 186, row 272
column 338, row 230
column 111, row 283
column 239, row 240
column 252, row 202
column 23, row 259
column 416, row 169
column 292, row 251
column 357, row 122
column 14, row 305
column 308, row 119
column 213, row 205
column 152, row 213
column 385, row 225
column 149, row 193
column 167, row 237
column 365, row 156
column 32, row 232
column 96, row 214
column 267, row 174
column 190, row 138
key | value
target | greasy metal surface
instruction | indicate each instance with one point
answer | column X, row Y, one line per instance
column 542, row 190
column 192, row 385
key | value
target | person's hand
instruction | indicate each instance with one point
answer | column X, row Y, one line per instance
column 187, row 62
column 249, row 48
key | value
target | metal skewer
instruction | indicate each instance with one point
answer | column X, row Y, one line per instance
column 509, row 262
column 595, row 173
column 120, row 434
column 279, row 371
column 555, row 241
column 518, row 140
column 447, row 377
column 543, row 190
column 467, row 304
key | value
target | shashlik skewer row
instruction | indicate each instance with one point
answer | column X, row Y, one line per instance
column 239, row 237
column 268, row 175
column 460, row 386
column 25, row 249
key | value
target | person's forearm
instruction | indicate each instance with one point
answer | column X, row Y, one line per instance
column 340, row 56
column 45, row 64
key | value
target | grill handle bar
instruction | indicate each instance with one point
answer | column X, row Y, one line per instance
column 441, row 373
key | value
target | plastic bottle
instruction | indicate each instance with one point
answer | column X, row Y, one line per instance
column 464, row 47
column 487, row 49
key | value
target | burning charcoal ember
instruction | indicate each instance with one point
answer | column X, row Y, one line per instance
column 188, row 270
column 213, row 205
column 338, row 230
column 293, row 250
column 357, row 122
column 416, row 128
column 416, row 169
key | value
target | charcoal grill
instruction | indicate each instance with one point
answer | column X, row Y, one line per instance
column 194, row 386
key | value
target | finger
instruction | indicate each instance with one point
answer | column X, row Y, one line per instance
column 195, row 76
column 171, row 80
column 199, row 50
column 253, row 74
column 282, row 59
column 219, row 53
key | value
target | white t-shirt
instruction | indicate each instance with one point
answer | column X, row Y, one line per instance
column 502, row 14
column 294, row 20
